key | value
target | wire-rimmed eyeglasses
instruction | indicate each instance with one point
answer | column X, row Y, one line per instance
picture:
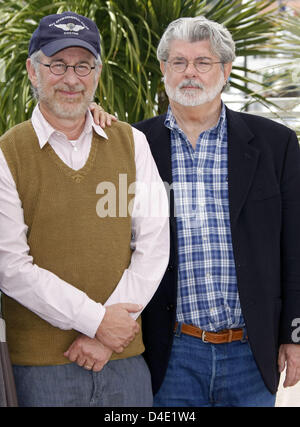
column 60, row 68
column 203, row 66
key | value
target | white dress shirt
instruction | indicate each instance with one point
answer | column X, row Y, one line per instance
column 44, row 293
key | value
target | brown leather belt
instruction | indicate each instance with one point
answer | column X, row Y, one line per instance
column 221, row 337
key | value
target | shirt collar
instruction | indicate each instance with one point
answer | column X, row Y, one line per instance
column 44, row 130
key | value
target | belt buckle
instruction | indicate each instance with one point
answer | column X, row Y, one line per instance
column 203, row 337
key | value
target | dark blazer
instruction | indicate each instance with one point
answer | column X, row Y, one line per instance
column 264, row 199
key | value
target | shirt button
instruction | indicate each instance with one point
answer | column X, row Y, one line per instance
column 75, row 149
column 208, row 275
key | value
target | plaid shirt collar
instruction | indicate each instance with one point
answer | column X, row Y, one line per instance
column 170, row 122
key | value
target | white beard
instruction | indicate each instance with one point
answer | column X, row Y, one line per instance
column 193, row 97
column 65, row 108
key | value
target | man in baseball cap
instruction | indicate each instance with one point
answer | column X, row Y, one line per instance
column 73, row 281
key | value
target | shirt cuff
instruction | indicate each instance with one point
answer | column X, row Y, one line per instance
column 89, row 318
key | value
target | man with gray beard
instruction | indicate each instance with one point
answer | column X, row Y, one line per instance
column 74, row 278
column 226, row 316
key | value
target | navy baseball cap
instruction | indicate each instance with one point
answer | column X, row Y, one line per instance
column 68, row 29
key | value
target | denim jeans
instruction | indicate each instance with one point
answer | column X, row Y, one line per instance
column 121, row 383
column 202, row 374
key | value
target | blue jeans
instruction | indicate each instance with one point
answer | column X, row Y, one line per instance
column 121, row 383
column 204, row 374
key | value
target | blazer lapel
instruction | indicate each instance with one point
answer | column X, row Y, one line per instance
column 242, row 162
column 160, row 143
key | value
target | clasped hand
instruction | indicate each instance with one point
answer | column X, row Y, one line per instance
column 115, row 332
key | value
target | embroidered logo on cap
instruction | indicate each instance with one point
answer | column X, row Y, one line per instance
column 70, row 27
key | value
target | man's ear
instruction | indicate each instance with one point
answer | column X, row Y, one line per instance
column 99, row 73
column 227, row 70
column 31, row 73
column 162, row 65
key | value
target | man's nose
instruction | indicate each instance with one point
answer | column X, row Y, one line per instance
column 70, row 76
column 191, row 69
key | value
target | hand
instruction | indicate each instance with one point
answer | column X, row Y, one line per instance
column 88, row 353
column 117, row 328
column 100, row 116
column 289, row 354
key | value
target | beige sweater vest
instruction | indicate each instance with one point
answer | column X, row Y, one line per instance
column 65, row 234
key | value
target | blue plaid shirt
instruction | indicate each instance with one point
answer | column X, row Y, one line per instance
column 207, row 284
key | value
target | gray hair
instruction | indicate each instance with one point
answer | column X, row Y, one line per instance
column 198, row 29
column 35, row 59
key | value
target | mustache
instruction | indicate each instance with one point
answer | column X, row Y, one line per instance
column 191, row 83
column 68, row 88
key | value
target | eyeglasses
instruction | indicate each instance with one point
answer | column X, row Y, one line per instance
column 203, row 66
column 60, row 68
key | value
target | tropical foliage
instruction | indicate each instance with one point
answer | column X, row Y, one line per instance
column 284, row 78
column 131, row 84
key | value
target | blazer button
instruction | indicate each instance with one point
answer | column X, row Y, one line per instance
column 170, row 267
column 170, row 307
